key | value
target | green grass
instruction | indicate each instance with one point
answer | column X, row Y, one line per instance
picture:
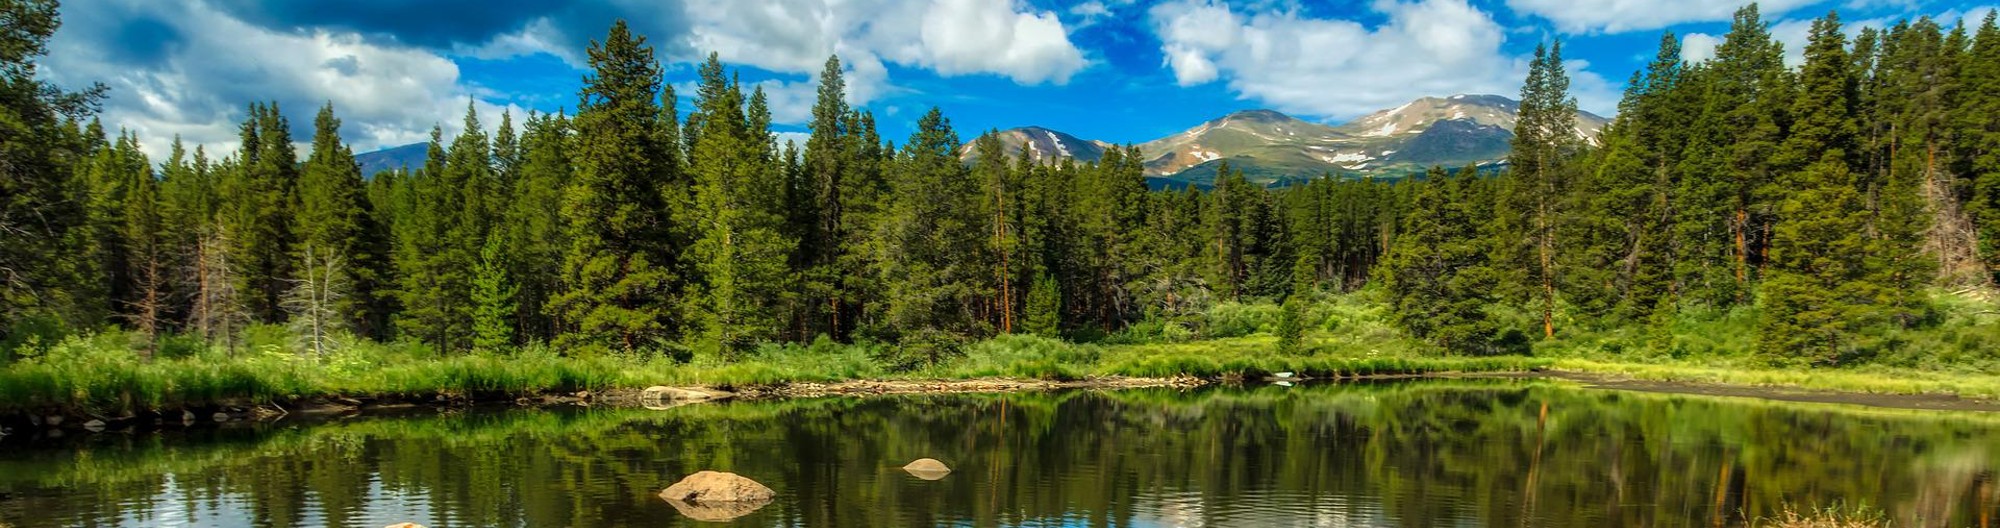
column 1348, row 336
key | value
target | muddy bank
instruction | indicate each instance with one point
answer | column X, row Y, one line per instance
column 1929, row 402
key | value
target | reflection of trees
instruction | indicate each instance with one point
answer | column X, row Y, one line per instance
column 1482, row 452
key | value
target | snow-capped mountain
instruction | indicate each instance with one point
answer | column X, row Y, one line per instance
column 1489, row 110
column 1042, row 145
column 1271, row 147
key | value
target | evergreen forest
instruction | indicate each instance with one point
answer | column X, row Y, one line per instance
column 1843, row 212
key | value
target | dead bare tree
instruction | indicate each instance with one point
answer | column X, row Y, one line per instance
column 1950, row 237
column 217, row 313
column 314, row 301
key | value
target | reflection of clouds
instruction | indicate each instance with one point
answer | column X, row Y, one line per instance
column 1272, row 508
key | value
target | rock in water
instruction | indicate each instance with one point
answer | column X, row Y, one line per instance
column 927, row 469
column 717, row 496
column 716, row 486
column 405, row 525
column 659, row 392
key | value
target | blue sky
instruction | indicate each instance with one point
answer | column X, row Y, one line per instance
column 1116, row 70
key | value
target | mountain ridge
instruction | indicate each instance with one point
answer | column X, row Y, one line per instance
column 1274, row 148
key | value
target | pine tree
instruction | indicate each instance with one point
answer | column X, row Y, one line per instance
column 187, row 214
column 433, row 291
column 535, row 231
column 119, row 173
column 619, row 287
column 146, row 264
column 1751, row 95
column 740, row 254
column 1043, row 316
column 334, row 217
column 1001, row 197
column 1291, row 326
column 493, row 308
column 1919, row 233
column 40, row 268
column 507, row 159
column 930, row 239
column 823, row 231
column 1544, row 138
column 468, row 172
column 1979, row 136
column 1437, row 276
column 268, row 239
column 1818, row 293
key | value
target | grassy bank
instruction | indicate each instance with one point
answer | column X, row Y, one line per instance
column 96, row 375
column 1346, row 336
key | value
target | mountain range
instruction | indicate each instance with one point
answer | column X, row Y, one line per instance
column 1274, row 148
column 1270, row 148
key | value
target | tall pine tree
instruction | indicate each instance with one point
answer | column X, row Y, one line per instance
column 620, row 288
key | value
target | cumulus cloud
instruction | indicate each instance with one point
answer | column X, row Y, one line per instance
column 1698, row 47
column 1617, row 16
column 1614, row 16
column 976, row 36
column 951, row 37
column 189, row 68
column 204, row 66
column 794, row 37
column 483, row 28
column 1334, row 68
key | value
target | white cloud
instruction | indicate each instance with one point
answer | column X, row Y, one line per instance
column 797, row 139
column 1795, row 34
column 1697, row 47
column 1615, row 16
column 210, row 66
column 951, row 37
column 1333, row 68
column 981, row 36
column 1090, row 10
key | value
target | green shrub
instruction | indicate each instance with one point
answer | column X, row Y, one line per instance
column 1235, row 320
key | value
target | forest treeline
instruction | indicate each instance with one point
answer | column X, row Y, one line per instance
column 1829, row 198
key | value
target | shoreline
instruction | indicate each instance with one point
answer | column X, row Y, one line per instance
column 1636, row 377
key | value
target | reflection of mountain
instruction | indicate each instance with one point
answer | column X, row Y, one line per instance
column 1405, row 453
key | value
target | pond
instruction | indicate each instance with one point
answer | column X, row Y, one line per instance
column 1433, row 452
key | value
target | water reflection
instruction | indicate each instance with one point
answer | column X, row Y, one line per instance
column 1417, row 453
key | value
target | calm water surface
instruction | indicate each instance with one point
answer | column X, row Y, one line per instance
column 1415, row 453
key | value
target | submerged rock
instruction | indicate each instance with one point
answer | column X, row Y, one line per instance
column 927, row 469
column 717, row 496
